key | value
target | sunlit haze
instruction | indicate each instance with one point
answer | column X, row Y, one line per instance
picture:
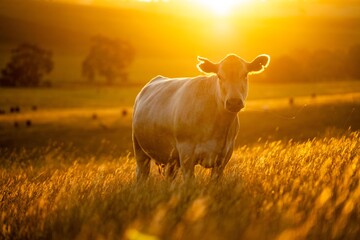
column 221, row 7
column 225, row 8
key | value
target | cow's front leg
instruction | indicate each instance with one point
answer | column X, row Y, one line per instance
column 220, row 163
column 217, row 172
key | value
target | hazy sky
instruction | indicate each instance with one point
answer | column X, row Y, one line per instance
column 119, row 1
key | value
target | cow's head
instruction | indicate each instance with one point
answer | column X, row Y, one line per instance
column 233, row 72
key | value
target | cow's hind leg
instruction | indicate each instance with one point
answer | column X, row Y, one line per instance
column 187, row 160
column 172, row 169
column 142, row 162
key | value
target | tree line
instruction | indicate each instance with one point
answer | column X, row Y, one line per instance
column 29, row 63
column 316, row 65
column 110, row 58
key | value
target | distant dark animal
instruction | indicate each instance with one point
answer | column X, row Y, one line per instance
column 2, row 112
column 94, row 116
column 124, row 113
column 28, row 123
column 182, row 122
column 291, row 101
column 15, row 109
column 34, row 108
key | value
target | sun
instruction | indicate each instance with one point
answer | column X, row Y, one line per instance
column 221, row 7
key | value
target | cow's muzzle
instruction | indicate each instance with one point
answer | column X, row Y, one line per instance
column 234, row 104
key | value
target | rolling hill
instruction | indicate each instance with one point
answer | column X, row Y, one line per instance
column 165, row 43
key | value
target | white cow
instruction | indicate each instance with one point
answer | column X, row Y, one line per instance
column 181, row 122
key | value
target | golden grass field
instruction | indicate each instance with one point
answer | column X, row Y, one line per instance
column 272, row 190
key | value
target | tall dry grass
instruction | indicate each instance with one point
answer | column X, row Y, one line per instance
column 276, row 190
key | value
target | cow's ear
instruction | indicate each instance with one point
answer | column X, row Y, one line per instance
column 207, row 66
column 259, row 64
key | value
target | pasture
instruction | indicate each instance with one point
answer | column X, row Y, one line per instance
column 98, row 120
column 294, row 175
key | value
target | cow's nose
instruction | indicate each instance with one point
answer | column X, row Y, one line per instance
column 234, row 104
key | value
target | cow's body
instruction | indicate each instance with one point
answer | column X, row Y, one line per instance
column 184, row 122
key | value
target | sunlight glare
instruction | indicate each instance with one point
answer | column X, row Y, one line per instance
column 221, row 7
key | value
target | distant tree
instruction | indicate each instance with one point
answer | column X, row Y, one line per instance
column 27, row 66
column 286, row 69
column 326, row 65
column 353, row 61
column 108, row 58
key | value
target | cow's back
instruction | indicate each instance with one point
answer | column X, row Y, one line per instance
column 157, row 100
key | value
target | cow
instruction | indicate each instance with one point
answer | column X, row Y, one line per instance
column 182, row 122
